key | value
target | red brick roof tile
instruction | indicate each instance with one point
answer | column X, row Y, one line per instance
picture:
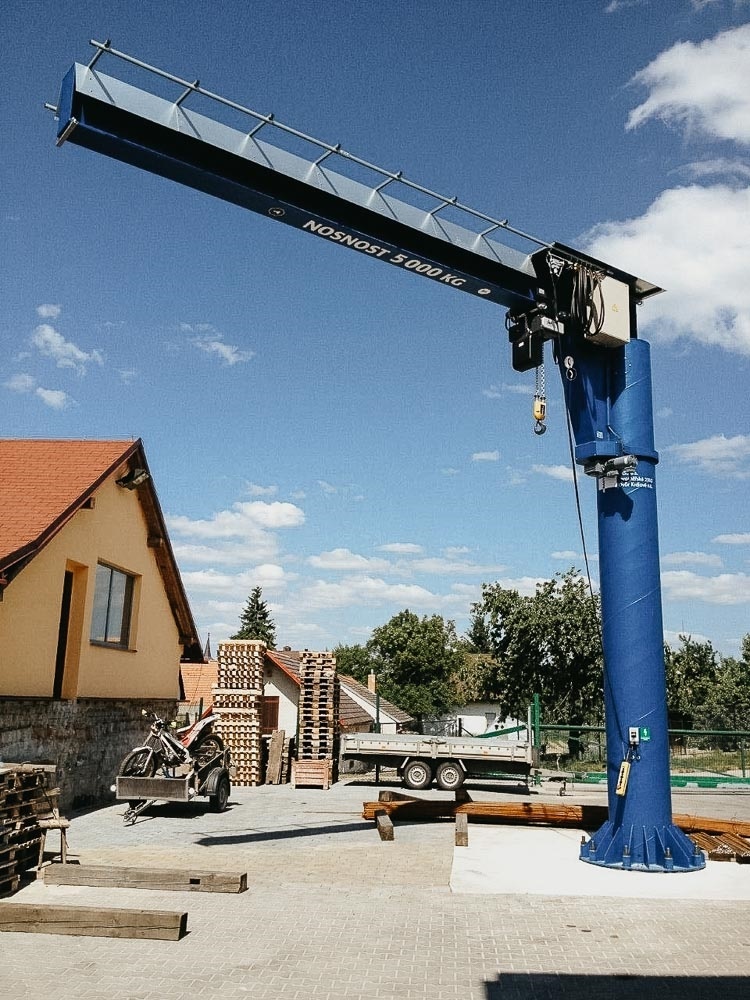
column 43, row 482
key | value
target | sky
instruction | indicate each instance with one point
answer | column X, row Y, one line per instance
column 348, row 437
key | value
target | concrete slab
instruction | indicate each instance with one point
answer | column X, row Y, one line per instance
column 543, row 861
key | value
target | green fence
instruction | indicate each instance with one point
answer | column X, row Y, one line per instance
column 697, row 758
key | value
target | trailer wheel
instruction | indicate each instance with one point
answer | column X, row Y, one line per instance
column 220, row 798
column 417, row 774
column 450, row 776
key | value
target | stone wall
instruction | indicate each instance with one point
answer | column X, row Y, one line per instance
column 86, row 739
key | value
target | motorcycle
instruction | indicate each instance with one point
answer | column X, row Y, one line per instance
column 191, row 748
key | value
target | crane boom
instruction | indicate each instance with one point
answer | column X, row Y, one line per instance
column 165, row 137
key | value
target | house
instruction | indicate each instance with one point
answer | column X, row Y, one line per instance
column 281, row 690
column 94, row 619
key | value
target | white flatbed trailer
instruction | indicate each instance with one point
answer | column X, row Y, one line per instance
column 448, row 760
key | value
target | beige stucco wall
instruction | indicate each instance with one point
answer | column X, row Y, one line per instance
column 114, row 532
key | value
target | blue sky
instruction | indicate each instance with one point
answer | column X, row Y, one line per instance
column 348, row 437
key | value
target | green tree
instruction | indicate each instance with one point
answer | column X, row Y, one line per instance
column 692, row 673
column 548, row 643
column 354, row 661
column 727, row 705
column 415, row 660
column 256, row 621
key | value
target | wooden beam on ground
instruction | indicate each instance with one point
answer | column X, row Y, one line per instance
column 587, row 817
column 462, row 830
column 384, row 825
column 92, row 921
column 389, row 795
column 108, row 876
column 708, row 825
column 503, row 812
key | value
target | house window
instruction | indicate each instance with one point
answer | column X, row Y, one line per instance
column 113, row 602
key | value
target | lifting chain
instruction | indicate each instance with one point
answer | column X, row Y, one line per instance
column 540, row 400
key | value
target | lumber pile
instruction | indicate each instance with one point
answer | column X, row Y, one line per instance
column 237, row 697
column 318, row 715
column 24, row 798
column 721, row 839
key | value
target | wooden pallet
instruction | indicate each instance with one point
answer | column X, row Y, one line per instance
column 312, row 773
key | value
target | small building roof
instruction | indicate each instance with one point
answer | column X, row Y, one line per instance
column 364, row 693
column 43, row 483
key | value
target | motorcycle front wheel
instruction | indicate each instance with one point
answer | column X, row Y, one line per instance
column 138, row 764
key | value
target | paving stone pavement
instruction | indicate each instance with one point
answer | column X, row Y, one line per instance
column 333, row 913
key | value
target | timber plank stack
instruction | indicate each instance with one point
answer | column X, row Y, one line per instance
column 318, row 715
column 238, row 696
column 23, row 797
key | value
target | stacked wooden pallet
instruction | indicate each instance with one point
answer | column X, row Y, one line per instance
column 23, row 797
column 237, row 699
column 318, row 715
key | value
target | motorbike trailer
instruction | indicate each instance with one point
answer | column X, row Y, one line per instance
column 211, row 779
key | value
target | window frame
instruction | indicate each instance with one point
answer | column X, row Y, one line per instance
column 119, row 605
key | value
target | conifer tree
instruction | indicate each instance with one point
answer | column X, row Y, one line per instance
column 256, row 621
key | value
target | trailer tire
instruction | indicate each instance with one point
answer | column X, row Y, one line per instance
column 417, row 774
column 450, row 776
column 220, row 799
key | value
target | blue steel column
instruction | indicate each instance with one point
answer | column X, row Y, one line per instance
column 615, row 394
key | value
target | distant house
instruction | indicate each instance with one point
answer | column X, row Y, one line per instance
column 281, row 689
column 94, row 619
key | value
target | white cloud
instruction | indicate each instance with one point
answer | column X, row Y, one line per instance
column 348, row 561
column 401, row 548
column 694, row 241
column 56, row 399
column 717, row 455
column 704, row 87
column 209, row 340
column 269, row 576
column 374, row 592
column 730, row 170
column 63, row 352
column 565, row 554
column 674, row 639
column 563, row 472
column 242, row 520
column 486, row 456
column 21, row 383
column 255, row 490
column 726, row 588
column 738, row 538
column 454, row 551
column 691, row 559
column 228, row 353
column 436, row 566
column 48, row 311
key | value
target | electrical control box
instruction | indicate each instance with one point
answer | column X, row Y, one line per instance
column 616, row 303
column 634, row 735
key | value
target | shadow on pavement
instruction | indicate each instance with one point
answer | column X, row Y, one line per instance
column 306, row 831
column 552, row 986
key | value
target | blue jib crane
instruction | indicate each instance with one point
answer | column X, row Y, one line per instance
column 583, row 307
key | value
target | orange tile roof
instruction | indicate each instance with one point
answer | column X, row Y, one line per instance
column 197, row 681
column 42, row 483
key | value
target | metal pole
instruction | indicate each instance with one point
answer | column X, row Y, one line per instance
column 639, row 832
